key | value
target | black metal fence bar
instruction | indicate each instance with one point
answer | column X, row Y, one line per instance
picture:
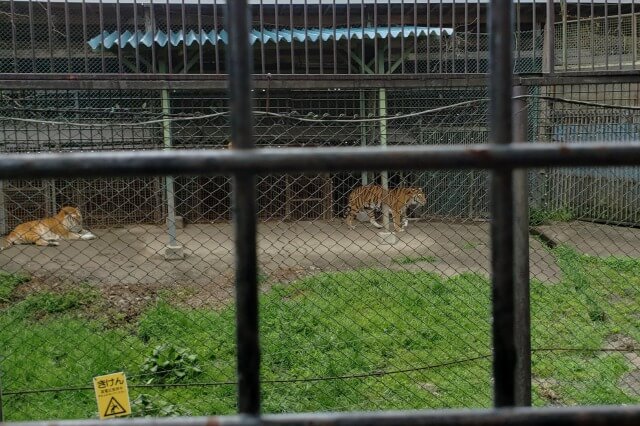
column 501, row 195
column 244, row 214
column 280, row 160
column 575, row 416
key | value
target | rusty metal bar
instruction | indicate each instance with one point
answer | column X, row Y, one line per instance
column 549, row 27
column 268, row 160
column 522, row 416
column 244, row 211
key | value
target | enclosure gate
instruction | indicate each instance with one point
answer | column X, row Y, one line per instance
column 508, row 257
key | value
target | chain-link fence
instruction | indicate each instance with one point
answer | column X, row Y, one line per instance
column 351, row 318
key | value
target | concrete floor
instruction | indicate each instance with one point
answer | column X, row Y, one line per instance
column 134, row 254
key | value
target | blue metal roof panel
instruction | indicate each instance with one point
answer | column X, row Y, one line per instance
column 161, row 38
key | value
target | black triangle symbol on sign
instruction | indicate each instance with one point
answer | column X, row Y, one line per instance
column 114, row 408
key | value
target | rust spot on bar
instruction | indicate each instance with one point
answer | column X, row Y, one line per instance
column 213, row 421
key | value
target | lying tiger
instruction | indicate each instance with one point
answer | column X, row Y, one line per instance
column 67, row 224
column 372, row 197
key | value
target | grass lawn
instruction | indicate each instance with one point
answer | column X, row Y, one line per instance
column 366, row 339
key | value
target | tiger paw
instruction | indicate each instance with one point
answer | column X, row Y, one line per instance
column 88, row 236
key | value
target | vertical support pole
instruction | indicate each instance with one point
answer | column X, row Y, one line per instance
column 244, row 211
column 500, row 133
column 548, row 47
column 173, row 250
column 385, row 236
column 563, row 7
column 363, row 133
column 521, row 253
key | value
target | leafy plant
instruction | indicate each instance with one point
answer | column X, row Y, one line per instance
column 168, row 364
column 146, row 405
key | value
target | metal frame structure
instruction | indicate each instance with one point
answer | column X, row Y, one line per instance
column 244, row 162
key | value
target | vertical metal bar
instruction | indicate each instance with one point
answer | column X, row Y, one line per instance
column 518, row 35
column 593, row 59
column 244, row 209
column 168, row 24
column 200, row 32
column 620, row 34
column 320, row 43
column 606, row 35
column 4, row 229
column 500, row 128
column 440, row 38
column 101, row 18
column 335, row 41
column 522, row 312
column 362, row 50
column 185, row 58
column 563, row 12
column 389, row 34
column 67, row 33
column 118, row 28
column 349, row 36
column 217, row 28
column 534, row 35
column 375, row 37
column 173, row 250
column 415, row 36
column 262, row 43
column 50, row 35
column 478, row 37
column 402, row 36
column 292, row 44
column 579, row 31
column 466, row 36
column 32, row 37
column 453, row 36
column 550, row 38
column 14, row 41
column 152, row 27
column 84, row 36
column 634, row 34
column 135, row 26
column 363, row 133
column 306, row 38
column 277, row 23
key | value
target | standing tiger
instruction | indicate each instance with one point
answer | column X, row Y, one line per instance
column 372, row 197
column 67, row 224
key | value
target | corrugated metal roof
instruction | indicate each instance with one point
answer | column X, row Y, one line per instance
column 161, row 38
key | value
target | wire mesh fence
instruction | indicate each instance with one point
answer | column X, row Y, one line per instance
column 351, row 318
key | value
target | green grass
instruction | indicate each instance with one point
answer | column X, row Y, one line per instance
column 8, row 283
column 353, row 323
column 539, row 217
column 408, row 260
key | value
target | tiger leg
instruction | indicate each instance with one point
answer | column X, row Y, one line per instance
column 372, row 217
column 397, row 221
column 350, row 216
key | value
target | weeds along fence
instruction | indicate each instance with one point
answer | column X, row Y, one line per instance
column 351, row 319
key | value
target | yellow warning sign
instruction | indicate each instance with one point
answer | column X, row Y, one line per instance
column 112, row 395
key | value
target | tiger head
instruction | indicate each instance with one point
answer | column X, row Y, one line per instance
column 71, row 218
column 416, row 196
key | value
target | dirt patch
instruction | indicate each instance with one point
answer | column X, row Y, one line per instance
column 547, row 390
column 630, row 383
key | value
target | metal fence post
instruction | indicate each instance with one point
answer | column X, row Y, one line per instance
column 549, row 43
column 521, row 253
column 244, row 211
column 500, row 133
column 4, row 225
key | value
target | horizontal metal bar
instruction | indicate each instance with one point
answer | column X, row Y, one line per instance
column 547, row 416
column 293, row 81
column 276, row 160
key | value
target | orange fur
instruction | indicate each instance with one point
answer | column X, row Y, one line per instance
column 67, row 224
column 372, row 197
